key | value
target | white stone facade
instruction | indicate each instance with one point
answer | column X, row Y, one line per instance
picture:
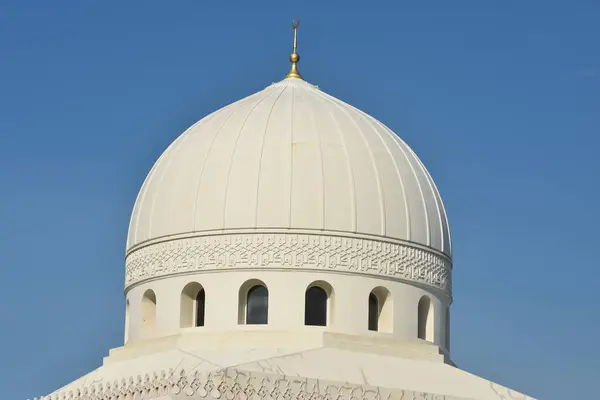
column 347, row 312
column 287, row 246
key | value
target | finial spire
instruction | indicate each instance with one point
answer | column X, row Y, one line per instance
column 295, row 57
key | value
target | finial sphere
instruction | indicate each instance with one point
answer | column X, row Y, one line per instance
column 294, row 57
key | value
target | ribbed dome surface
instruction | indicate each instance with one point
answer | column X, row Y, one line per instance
column 290, row 157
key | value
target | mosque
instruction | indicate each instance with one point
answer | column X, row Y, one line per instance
column 287, row 246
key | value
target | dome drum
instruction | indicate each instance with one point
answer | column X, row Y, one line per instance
column 289, row 186
column 347, row 305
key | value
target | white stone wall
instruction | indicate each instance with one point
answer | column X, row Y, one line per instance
column 348, row 305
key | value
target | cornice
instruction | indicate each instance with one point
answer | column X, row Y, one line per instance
column 325, row 232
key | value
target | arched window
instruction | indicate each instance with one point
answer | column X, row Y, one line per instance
column 380, row 310
column 373, row 312
column 253, row 303
column 425, row 323
column 192, row 308
column 148, row 312
column 257, row 305
column 316, row 301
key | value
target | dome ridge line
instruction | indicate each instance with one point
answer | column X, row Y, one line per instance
column 291, row 181
column 240, row 104
column 439, row 203
column 171, row 200
column 139, row 201
column 195, row 210
column 433, row 192
column 174, row 147
column 235, row 147
column 445, row 214
column 322, row 174
column 150, row 177
column 365, row 117
column 351, row 180
column 412, row 168
column 260, row 157
column 393, row 160
column 381, row 201
column 340, row 175
column 414, row 173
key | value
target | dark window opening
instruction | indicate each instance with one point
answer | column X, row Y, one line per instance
column 373, row 312
column 257, row 305
column 200, row 306
column 315, row 308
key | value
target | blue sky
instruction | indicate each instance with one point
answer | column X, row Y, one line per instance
column 501, row 100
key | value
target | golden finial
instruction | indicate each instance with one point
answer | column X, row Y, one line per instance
column 295, row 57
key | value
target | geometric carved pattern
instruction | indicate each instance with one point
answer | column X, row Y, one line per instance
column 231, row 384
column 289, row 250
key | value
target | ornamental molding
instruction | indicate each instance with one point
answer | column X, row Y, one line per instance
column 232, row 384
column 299, row 251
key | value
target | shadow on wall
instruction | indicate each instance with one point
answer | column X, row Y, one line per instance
column 148, row 312
column 381, row 310
column 425, row 324
column 193, row 304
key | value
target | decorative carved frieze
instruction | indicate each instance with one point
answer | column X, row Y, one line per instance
column 231, row 384
column 289, row 250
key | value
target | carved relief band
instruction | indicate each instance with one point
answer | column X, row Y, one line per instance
column 231, row 384
column 289, row 250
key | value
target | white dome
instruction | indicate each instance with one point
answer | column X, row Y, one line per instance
column 290, row 157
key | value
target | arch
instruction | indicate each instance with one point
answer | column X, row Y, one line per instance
column 425, row 319
column 253, row 303
column 381, row 313
column 193, row 305
column 148, row 312
column 447, row 329
column 317, row 304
